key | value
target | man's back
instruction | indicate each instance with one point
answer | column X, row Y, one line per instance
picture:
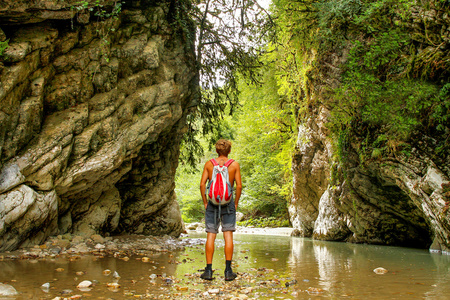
column 232, row 170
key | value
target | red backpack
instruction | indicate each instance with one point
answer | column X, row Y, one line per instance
column 219, row 189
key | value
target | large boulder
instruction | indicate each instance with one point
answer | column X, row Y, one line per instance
column 92, row 112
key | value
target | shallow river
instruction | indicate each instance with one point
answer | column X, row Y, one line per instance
column 269, row 267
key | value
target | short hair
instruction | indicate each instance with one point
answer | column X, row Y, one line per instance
column 223, row 147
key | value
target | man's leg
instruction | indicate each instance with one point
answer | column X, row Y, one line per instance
column 229, row 247
column 212, row 225
column 209, row 252
column 209, row 246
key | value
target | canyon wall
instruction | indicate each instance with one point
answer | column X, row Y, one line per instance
column 401, row 198
column 93, row 103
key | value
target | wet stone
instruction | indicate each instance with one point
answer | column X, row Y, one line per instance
column 7, row 290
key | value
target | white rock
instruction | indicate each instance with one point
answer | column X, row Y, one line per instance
column 116, row 275
column 7, row 290
column 100, row 246
column 45, row 286
column 380, row 270
column 214, row 291
column 84, row 284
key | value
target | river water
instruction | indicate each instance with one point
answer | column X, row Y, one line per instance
column 269, row 267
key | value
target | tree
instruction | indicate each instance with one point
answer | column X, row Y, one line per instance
column 229, row 35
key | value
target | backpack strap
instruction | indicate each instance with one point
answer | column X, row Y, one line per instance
column 214, row 162
column 229, row 162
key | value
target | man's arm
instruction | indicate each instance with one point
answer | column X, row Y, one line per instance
column 203, row 185
column 237, row 179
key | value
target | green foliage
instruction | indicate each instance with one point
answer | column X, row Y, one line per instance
column 264, row 137
column 295, row 43
column 99, row 9
column 3, row 46
column 441, row 110
column 336, row 15
column 227, row 43
column 105, row 16
column 388, row 88
column 187, row 189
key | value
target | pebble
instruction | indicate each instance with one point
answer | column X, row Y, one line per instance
column 45, row 286
column 380, row 271
column 113, row 285
column 7, row 290
column 213, row 291
column 106, row 272
column 290, row 283
column 116, row 275
column 84, row 284
column 99, row 246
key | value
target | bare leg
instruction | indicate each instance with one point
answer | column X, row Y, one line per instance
column 209, row 246
column 229, row 246
column 228, row 237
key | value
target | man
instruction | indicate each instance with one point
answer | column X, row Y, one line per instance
column 227, row 216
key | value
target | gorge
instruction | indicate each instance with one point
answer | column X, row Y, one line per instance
column 94, row 97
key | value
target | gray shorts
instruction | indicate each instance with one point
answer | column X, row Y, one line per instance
column 227, row 217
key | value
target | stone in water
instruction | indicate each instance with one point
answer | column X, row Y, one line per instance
column 380, row 271
column 84, row 284
column 7, row 290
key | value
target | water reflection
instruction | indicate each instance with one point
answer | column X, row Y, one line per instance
column 346, row 270
column 328, row 270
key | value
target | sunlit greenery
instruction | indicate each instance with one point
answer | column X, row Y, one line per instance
column 3, row 46
column 389, row 88
column 383, row 81
column 262, row 132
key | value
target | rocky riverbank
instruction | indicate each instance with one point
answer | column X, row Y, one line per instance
column 119, row 246
column 136, row 266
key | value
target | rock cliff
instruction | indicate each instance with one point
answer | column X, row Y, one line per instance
column 398, row 199
column 93, row 102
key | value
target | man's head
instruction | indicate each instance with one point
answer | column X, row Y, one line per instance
column 223, row 147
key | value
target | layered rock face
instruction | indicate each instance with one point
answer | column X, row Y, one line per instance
column 92, row 111
column 396, row 200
